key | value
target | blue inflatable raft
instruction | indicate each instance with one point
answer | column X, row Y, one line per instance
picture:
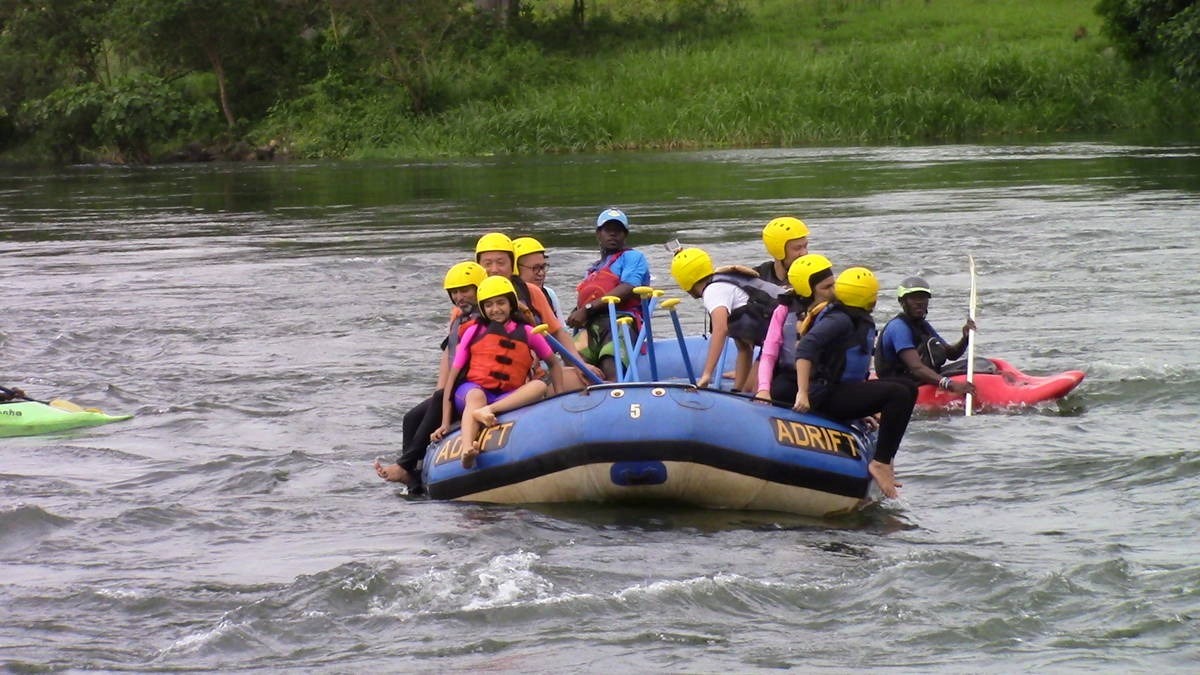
column 661, row 441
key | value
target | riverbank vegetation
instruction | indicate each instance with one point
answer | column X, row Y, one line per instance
column 146, row 80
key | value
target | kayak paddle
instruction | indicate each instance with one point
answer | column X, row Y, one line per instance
column 60, row 403
column 970, row 340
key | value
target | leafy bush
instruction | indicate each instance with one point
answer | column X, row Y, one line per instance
column 130, row 116
column 1158, row 34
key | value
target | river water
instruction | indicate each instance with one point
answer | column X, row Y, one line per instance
column 270, row 324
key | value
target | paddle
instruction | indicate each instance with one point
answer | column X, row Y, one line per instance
column 646, row 293
column 669, row 305
column 60, row 403
column 544, row 330
column 967, row 404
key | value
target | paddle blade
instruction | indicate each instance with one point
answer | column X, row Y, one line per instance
column 63, row 404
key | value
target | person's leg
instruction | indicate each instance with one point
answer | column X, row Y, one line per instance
column 468, row 434
column 601, row 348
column 894, row 401
column 573, row 380
column 530, row 392
column 783, row 386
column 414, row 448
column 412, row 419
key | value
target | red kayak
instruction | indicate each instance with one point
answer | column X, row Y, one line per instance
column 1001, row 386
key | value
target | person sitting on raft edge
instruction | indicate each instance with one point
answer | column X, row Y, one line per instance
column 619, row 270
column 460, row 282
column 497, row 253
column 491, row 373
column 833, row 362
column 811, row 278
column 533, row 264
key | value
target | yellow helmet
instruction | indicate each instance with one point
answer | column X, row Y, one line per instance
column 857, row 287
column 689, row 266
column 801, row 272
column 494, row 287
column 526, row 245
column 779, row 232
column 493, row 241
column 464, row 274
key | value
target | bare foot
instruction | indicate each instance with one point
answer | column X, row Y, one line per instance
column 885, row 477
column 485, row 416
column 469, row 455
column 393, row 473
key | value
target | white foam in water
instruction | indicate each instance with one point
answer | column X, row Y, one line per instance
column 119, row 593
column 506, row 580
column 195, row 641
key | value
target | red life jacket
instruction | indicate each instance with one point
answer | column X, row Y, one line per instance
column 601, row 282
column 500, row 359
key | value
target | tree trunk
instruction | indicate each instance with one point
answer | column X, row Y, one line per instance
column 578, row 14
column 214, row 57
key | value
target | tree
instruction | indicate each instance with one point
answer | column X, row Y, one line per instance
column 409, row 40
column 230, row 38
column 1161, row 35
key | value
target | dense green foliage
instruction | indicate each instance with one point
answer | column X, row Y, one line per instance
column 132, row 79
column 1163, row 35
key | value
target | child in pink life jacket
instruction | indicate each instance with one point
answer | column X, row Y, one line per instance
column 490, row 373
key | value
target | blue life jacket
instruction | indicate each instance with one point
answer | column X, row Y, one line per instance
column 848, row 360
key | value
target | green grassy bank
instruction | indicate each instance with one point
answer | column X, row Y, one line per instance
column 783, row 74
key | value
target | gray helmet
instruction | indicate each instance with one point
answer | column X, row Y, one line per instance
column 912, row 285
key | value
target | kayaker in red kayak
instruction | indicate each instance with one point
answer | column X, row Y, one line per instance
column 910, row 347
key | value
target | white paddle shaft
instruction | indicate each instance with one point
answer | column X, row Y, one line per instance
column 968, row 403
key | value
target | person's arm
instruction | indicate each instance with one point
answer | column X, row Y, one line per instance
column 716, row 345
column 803, row 374
column 444, row 368
column 745, row 361
column 769, row 356
column 825, row 332
column 927, row 375
column 447, row 408
column 920, row 371
column 537, row 298
column 542, row 349
column 957, row 349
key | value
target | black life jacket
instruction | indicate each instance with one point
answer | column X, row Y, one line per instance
column 525, row 302
column 749, row 322
column 766, row 272
column 930, row 349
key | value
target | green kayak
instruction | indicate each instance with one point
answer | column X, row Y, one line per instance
column 26, row 418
